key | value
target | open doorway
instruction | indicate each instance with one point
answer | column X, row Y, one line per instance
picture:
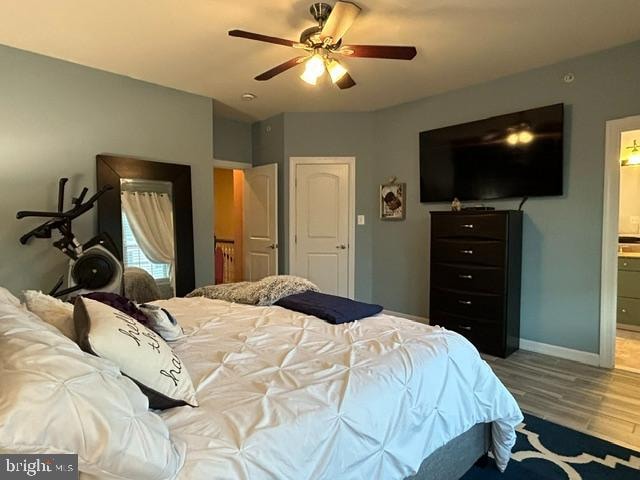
column 620, row 314
column 628, row 312
column 228, row 185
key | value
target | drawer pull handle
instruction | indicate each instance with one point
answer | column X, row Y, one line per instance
column 464, row 327
column 467, row 225
column 464, row 302
column 624, row 310
column 466, row 277
column 467, row 252
column 625, row 264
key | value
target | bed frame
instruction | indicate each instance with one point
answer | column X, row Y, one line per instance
column 455, row 458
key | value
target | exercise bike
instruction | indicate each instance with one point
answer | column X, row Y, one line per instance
column 93, row 266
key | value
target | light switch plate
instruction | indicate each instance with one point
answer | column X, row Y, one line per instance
column 361, row 220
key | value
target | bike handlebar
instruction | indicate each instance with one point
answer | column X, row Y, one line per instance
column 58, row 219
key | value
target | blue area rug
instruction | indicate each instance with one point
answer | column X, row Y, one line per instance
column 547, row 451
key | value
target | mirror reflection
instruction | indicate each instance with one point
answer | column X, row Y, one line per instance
column 148, row 239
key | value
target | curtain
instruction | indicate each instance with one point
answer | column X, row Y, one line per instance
column 150, row 216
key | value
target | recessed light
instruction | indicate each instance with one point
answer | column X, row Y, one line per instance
column 247, row 97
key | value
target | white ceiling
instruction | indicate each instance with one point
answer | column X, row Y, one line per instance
column 184, row 44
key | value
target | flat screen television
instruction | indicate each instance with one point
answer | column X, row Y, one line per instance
column 515, row 155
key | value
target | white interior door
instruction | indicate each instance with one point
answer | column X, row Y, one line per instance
column 260, row 222
column 321, row 238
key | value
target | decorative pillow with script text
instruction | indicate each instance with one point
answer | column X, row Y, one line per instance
column 140, row 353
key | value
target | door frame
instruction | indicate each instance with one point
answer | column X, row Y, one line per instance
column 225, row 165
column 351, row 162
column 610, row 218
column 231, row 164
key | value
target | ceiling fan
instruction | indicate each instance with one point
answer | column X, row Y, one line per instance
column 321, row 42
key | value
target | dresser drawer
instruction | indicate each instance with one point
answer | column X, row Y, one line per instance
column 628, row 284
column 467, row 277
column 629, row 263
column 629, row 311
column 481, row 252
column 485, row 336
column 487, row 306
column 489, row 226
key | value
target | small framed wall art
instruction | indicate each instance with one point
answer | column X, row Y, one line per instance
column 392, row 200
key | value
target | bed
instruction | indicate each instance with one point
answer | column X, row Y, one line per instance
column 288, row 396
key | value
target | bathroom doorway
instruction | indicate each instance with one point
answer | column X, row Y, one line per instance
column 620, row 314
column 628, row 311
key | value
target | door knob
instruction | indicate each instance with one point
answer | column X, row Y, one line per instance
column 341, row 247
column 273, row 246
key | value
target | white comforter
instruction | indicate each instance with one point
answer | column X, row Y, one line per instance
column 288, row 396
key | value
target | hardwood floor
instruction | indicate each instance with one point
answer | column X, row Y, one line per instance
column 628, row 350
column 603, row 403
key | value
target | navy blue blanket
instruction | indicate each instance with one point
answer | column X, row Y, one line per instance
column 331, row 308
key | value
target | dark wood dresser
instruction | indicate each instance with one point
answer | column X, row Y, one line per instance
column 476, row 259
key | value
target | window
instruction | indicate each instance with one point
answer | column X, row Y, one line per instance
column 135, row 257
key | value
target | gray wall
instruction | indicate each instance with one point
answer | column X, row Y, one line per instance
column 562, row 235
column 288, row 135
column 54, row 118
column 340, row 135
column 231, row 139
column 268, row 147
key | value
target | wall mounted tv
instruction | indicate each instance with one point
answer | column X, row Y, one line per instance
column 508, row 156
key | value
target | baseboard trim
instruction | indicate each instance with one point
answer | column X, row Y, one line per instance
column 415, row 318
column 580, row 356
column 561, row 352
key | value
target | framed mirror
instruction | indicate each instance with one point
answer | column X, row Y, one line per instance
column 148, row 215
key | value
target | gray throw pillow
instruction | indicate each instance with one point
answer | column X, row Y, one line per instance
column 271, row 289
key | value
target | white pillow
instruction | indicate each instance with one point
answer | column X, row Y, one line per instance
column 141, row 354
column 53, row 311
column 7, row 297
column 162, row 322
column 55, row 398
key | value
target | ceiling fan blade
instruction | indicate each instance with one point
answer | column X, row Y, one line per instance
column 340, row 20
column 263, row 38
column 345, row 82
column 283, row 67
column 379, row 51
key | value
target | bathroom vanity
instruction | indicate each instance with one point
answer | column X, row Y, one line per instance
column 629, row 290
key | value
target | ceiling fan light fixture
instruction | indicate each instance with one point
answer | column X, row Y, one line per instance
column 315, row 65
column 320, row 42
column 309, row 78
column 313, row 69
column 336, row 70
